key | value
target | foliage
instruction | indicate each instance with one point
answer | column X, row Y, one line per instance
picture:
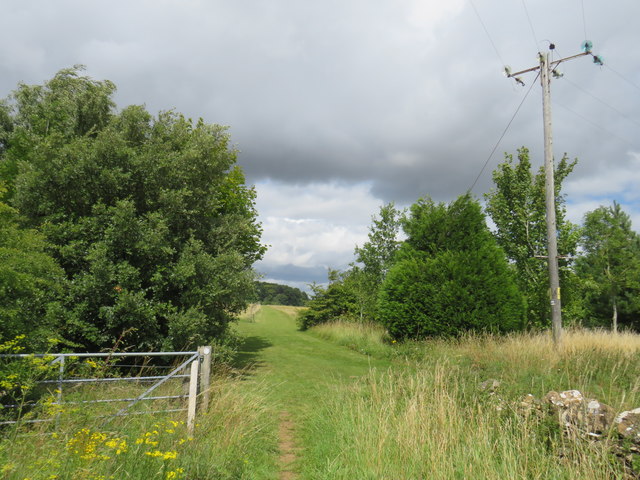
column 450, row 276
column 517, row 207
column 20, row 389
column 276, row 294
column 376, row 257
column 233, row 440
column 334, row 301
column 353, row 294
column 610, row 266
column 149, row 217
column 31, row 283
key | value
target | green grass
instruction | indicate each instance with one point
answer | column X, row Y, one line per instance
column 361, row 407
column 429, row 419
column 235, row 440
column 433, row 424
column 299, row 367
column 367, row 338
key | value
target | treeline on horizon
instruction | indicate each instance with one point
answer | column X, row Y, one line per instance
column 268, row 293
column 451, row 274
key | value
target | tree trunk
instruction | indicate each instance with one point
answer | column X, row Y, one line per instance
column 615, row 316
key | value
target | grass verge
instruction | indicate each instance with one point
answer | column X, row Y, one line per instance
column 426, row 417
column 234, row 440
column 433, row 423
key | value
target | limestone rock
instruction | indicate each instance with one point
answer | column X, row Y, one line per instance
column 594, row 416
column 490, row 385
column 588, row 415
column 529, row 405
column 628, row 425
column 564, row 400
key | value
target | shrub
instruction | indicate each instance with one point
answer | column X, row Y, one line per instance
column 450, row 276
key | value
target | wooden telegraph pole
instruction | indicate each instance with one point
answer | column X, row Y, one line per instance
column 547, row 70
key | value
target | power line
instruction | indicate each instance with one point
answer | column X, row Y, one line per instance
column 504, row 132
column 533, row 32
column 484, row 27
column 594, row 124
column 634, row 85
column 584, row 21
column 601, row 101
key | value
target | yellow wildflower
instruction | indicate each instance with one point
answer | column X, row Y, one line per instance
column 92, row 363
column 165, row 455
column 177, row 473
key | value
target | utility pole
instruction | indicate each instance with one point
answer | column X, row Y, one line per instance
column 550, row 203
column 548, row 69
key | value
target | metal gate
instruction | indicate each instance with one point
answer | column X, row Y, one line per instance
column 196, row 367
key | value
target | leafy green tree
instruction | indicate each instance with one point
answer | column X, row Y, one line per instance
column 610, row 264
column 31, row 284
column 353, row 294
column 450, row 275
column 374, row 259
column 517, row 207
column 149, row 217
column 333, row 302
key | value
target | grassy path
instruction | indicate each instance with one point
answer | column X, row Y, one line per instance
column 300, row 370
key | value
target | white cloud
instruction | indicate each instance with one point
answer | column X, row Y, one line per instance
column 618, row 183
column 316, row 225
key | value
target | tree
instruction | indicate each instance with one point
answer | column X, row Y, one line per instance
column 450, row 276
column 353, row 294
column 376, row 257
column 276, row 294
column 31, row 284
column 517, row 207
column 611, row 265
column 333, row 302
column 149, row 217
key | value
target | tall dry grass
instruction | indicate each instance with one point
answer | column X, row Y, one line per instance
column 430, row 419
column 434, row 424
column 600, row 363
column 365, row 337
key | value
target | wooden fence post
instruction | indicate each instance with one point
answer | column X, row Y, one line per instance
column 205, row 376
column 193, row 393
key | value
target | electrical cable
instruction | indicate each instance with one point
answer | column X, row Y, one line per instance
column 504, row 132
column 594, row 124
column 584, row 21
column 601, row 101
column 502, row 63
column 634, row 85
column 533, row 32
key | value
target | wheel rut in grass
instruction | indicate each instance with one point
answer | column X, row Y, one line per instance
column 287, row 447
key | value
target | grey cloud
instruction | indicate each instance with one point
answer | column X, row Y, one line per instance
column 399, row 95
column 295, row 274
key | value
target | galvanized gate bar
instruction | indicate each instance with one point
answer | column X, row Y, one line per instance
column 114, row 379
column 60, row 359
column 84, row 355
column 156, row 385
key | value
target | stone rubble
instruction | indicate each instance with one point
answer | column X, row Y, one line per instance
column 585, row 417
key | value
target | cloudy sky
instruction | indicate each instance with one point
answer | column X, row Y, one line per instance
column 339, row 106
